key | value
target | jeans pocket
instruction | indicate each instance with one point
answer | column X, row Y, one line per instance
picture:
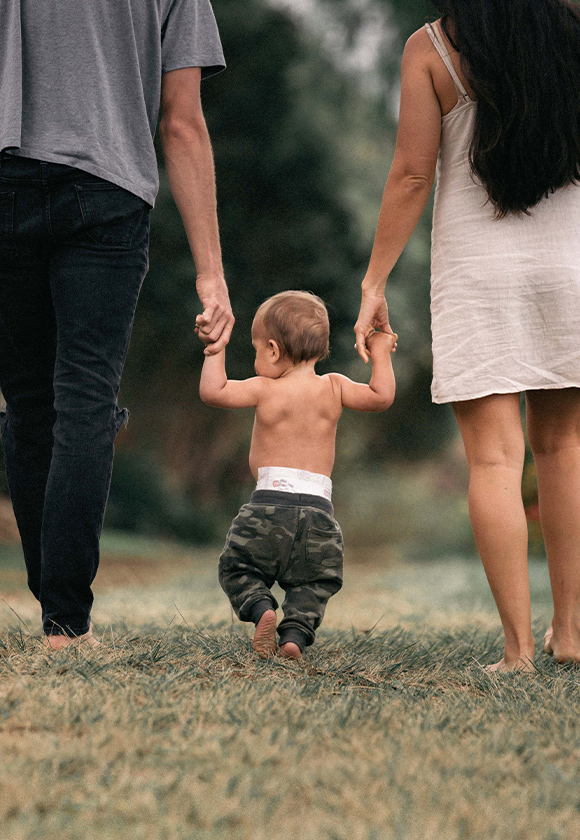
column 7, row 206
column 111, row 215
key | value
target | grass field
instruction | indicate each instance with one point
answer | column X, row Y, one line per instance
column 389, row 729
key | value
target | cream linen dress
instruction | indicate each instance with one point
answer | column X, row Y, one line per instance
column 505, row 294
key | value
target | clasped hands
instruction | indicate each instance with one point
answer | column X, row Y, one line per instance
column 373, row 316
column 214, row 325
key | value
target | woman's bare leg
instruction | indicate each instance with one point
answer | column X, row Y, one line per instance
column 494, row 443
column 554, row 433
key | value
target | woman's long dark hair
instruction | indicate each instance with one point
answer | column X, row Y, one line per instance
column 522, row 60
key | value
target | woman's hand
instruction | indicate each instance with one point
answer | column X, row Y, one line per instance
column 373, row 315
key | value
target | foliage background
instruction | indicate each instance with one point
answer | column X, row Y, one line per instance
column 303, row 124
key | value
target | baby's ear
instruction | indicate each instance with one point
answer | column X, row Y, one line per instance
column 275, row 351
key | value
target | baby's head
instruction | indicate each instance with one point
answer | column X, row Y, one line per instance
column 297, row 322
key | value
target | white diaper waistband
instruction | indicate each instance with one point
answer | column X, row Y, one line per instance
column 287, row 480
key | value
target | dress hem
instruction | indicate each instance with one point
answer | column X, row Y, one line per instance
column 489, row 392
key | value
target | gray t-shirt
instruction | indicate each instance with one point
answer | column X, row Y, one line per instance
column 80, row 80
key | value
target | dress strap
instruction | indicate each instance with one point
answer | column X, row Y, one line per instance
column 439, row 43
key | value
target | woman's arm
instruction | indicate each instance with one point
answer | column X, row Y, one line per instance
column 408, row 185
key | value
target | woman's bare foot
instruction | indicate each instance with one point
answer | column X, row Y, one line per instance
column 290, row 650
column 58, row 642
column 515, row 658
column 503, row 667
column 563, row 646
column 265, row 635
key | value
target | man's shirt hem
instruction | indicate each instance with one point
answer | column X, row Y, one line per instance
column 84, row 166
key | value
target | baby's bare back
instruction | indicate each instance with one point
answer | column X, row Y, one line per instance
column 295, row 424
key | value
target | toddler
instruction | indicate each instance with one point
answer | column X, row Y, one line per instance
column 287, row 533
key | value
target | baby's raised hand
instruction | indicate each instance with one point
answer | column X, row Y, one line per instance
column 198, row 331
column 381, row 342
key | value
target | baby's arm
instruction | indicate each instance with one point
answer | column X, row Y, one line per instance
column 379, row 394
column 216, row 389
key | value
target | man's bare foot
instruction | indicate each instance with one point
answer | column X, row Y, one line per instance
column 290, row 650
column 58, row 642
column 503, row 667
column 265, row 635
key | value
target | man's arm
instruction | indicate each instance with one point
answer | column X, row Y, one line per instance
column 190, row 169
column 216, row 389
column 379, row 394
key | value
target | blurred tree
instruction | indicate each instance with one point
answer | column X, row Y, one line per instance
column 411, row 14
column 283, row 225
column 368, row 36
column 302, row 149
column 303, row 124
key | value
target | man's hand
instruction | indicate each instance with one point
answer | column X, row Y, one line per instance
column 214, row 325
column 373, row 315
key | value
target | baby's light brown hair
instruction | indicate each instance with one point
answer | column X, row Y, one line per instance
column 298, row 323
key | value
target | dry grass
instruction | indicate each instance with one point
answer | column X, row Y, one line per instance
column 173, row 729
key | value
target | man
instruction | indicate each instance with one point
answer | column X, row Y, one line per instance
column 81, row 84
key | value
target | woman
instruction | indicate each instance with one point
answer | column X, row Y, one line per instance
column 491, row 90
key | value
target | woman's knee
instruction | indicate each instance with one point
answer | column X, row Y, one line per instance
column 553, row 420
column 492, row 432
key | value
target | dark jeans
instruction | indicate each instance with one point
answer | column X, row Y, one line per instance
column 73, row 256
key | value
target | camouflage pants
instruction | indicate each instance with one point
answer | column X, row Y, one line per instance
column 289, row 538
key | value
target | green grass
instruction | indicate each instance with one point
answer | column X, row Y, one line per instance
column 173, row 729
